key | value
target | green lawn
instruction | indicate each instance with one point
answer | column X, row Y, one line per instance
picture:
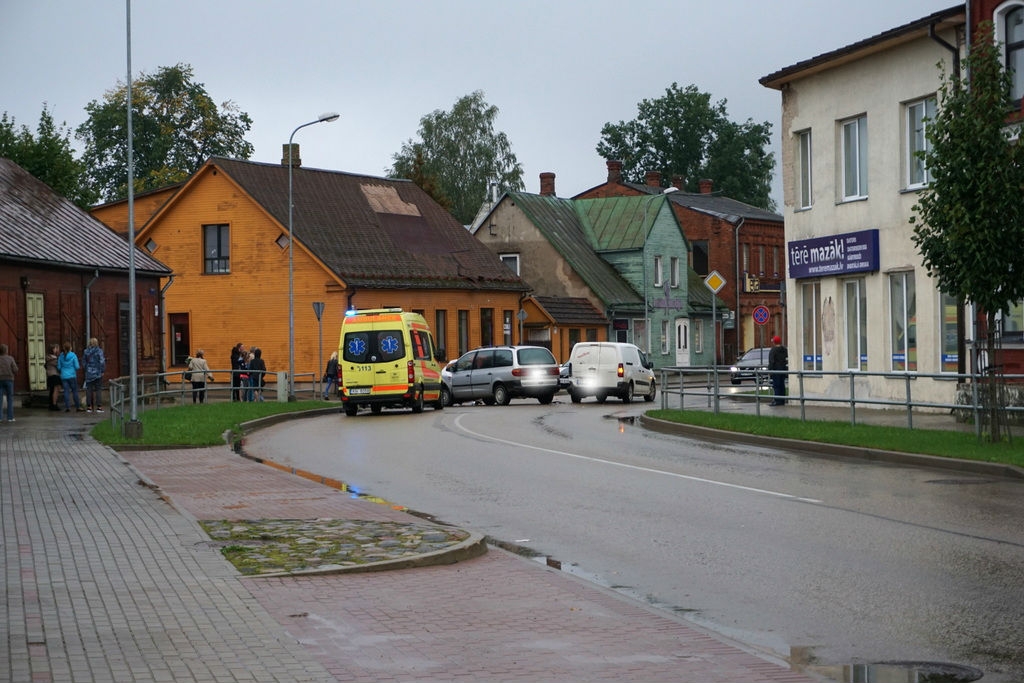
column 198, row 424
column 943, row 443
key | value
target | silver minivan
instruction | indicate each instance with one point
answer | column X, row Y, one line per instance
column 497, row 374
column 603, row 369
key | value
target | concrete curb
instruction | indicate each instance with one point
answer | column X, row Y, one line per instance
column 474, row 546
column 833, row 450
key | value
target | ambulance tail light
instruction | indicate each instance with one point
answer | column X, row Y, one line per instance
column 412, row 372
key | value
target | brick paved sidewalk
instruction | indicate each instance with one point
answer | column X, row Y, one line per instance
column 111, row 580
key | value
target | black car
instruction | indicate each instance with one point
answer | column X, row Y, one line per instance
column 752, row 365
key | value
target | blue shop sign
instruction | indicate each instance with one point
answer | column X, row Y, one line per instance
column 845, row 254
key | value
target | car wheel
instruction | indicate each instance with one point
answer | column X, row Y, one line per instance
column 417, row 401
column 628, row 396
column 601, row 397
column 351, row 409
column 446, row 395
column 734, row 380
column 649, row 396
column 546, row 399
column 501, row 396
column 576, row 398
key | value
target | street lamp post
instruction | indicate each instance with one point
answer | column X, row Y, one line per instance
column 323, row 118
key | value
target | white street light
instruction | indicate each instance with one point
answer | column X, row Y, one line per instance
column 323, row 118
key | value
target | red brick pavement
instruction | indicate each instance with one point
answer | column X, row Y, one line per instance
column 499, row 617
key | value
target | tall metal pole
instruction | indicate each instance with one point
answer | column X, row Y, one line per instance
column 328, row 117
column 134, row 427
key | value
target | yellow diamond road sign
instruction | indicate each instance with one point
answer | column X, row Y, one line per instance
column 714, row 281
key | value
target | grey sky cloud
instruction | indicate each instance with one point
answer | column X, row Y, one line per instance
column 557, row 70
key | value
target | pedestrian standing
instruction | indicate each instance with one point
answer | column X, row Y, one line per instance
column 53, row 375
column 331, row 375
column 8, row 370
column 95, row 366
column 237, row 360
column 257, row 373
column 778, row 364
column 67, row 365
column 199, row 371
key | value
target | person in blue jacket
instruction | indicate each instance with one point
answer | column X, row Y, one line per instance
column 67, row 365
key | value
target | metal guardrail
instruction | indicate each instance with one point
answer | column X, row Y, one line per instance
column 167, row 389
column 705, row 384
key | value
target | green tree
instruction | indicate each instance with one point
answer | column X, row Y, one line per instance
column 176, row 127
column 969, row 221
column 48, row 156
column 684, row 134
column 460, row 150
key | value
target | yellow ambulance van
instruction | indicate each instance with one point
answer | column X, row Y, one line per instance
column 387, row 359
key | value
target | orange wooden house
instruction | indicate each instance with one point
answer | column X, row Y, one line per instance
column 361, row 241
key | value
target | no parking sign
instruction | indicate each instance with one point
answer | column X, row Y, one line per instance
column 761, row 315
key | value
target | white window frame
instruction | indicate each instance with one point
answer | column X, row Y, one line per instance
column 698, row 335
column 999, row 17
column 919, row 115
column 805, row 169
column 902, row 316
column 673, row 271
column 856, row 320
column 853, row 139
column 657, row 271
column 810, row 302
column 665, row 327
column 510, row 260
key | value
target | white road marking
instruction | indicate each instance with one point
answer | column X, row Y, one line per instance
column 637, row 468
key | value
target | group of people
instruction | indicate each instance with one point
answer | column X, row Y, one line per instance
column 248, row 374
column 62, row 368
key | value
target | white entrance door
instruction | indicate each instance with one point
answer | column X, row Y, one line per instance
column 682, row 342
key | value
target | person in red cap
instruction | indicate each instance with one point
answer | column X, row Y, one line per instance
column 778, row 363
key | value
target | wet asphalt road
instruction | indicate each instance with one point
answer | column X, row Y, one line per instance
column 847, row 561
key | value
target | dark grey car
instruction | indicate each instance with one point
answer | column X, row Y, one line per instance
column 752, row 365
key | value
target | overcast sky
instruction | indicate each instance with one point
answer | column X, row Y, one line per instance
column 556, row 69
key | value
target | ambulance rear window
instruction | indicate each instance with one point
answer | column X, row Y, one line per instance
column 379, row 346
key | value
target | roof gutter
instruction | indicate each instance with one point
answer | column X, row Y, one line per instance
column 88, row 306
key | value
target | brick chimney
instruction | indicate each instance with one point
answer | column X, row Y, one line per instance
column 705, row 185
column 547, row 184
column 296, row 159
column 653, row 178
column 679, row 182
column 614, row 171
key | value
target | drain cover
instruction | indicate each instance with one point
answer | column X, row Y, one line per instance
column 930, row 672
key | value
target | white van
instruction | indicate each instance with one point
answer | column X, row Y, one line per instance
column 603, row 369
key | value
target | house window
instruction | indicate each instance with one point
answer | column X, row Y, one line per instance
column 855, row 158
column 486, row 327
column 804, row 150
column 856, row 325
column 506, row 327
column 591, row 334
column 664, row 337
column 903, row 321
column 673, row 271
column 700, row 257
column 657, row 271
column 746, row 257
column 574, row 337
column 919, row 116
column 760, row 260
column 698, row 335
column 441, row 331
column 463, row 331
column 950, row 356
column 510, row 260
column 1010, row 32
column 810, row 295
column 217, row 249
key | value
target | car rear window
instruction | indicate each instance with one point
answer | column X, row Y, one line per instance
column 378, row 346
column 538, row 356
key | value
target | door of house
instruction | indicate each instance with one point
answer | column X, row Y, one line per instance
column 35, row 318
column 181, row 349
column 682, row 342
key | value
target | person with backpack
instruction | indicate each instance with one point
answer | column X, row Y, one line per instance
column 95, row 366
